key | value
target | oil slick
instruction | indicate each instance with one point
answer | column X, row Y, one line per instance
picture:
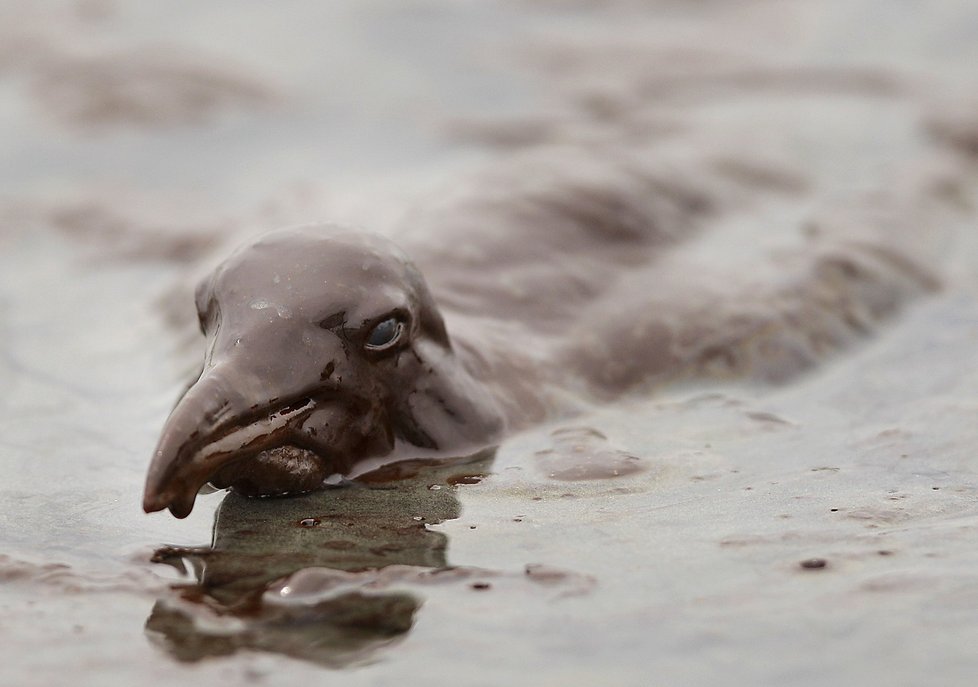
column 333, row 577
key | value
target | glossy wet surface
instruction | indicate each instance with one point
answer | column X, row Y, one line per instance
column 817, row 531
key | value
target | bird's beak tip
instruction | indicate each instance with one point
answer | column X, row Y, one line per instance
column 179, row 512
column 180, row 507
column 152, row 502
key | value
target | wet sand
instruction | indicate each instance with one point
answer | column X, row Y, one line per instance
column 759, row 519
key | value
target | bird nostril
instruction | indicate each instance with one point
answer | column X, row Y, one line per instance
column 219, row 414
column 328, row 371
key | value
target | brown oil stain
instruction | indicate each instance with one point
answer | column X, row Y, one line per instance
column 584, row 454
column 331, row 577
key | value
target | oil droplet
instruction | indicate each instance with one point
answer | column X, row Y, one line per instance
column 465, row 479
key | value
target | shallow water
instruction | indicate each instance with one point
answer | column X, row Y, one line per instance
column 686, row 564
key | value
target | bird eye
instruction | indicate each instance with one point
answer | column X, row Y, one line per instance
column 385, row 334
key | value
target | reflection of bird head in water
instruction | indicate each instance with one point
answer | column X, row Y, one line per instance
column 356, row 529
column 325, row 349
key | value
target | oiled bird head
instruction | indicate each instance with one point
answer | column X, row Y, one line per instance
column 323, row 348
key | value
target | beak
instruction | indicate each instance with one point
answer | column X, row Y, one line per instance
column 214, row 424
